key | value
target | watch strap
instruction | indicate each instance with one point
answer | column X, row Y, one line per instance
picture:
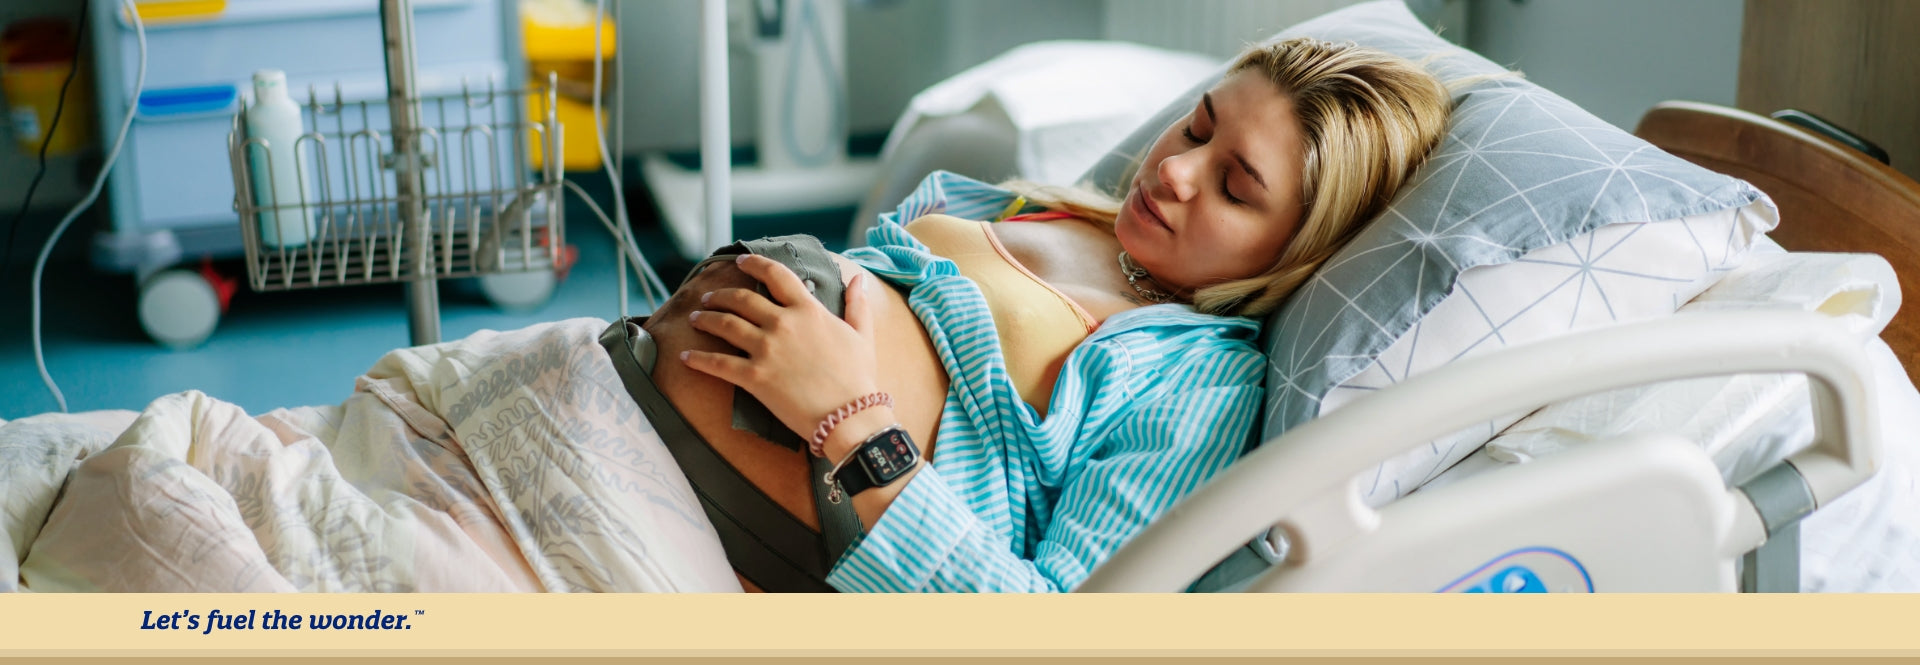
column 851, row 474
column 853, row 479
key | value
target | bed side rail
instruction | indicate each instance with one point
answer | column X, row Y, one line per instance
column 1284, row 480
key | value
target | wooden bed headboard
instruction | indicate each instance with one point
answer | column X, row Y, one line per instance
column 1831, row 198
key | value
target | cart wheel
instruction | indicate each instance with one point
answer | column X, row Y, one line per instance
column 178, row 308
column 519, row 292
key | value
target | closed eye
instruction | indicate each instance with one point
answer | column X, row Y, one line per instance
column 1228, row 191
column 1224, row 189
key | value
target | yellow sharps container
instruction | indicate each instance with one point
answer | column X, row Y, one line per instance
column 559, row 39
column 35, row 56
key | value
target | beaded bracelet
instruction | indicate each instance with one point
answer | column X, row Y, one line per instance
column 819, row 444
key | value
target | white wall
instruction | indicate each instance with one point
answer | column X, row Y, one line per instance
column 894, row 49
column 1220, row 28
column 1616, row 58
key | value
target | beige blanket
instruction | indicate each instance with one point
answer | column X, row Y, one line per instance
column 501, row 462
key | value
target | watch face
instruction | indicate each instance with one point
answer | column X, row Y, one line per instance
column 888, row 457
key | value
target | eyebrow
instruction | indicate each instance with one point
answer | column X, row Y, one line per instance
column 1206, row 99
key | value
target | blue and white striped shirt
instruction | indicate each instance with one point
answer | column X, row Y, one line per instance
column 1151, row 405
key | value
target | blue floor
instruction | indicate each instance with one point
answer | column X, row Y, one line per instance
column 291, row 348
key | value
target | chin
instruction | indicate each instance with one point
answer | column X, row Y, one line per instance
column 1147, row 252
column 1127, row 229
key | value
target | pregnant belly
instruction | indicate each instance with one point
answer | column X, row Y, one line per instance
column 910, row 370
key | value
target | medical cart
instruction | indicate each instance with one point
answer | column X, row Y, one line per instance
column 415, row 144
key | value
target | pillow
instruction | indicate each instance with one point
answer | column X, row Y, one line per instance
column 1532, row 218
column 1731, row 417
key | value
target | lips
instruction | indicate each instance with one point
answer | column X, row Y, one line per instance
column 1148, row 211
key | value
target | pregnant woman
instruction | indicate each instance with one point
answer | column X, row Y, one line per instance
column 1002, row 405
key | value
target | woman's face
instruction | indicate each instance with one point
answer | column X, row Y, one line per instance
column 1218, row 196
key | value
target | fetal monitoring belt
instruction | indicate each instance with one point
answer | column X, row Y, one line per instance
column 765, row 543
column 817, row 270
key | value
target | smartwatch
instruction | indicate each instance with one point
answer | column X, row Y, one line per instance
column 880, row 460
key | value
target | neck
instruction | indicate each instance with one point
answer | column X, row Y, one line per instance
column 1143, row 284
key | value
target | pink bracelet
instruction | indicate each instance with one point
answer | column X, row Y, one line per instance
column 819, row 446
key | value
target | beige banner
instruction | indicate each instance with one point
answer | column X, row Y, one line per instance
column 987, row 625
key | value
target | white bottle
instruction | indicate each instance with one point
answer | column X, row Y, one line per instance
column 274, row 118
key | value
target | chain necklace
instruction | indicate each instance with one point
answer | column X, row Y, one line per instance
column 1134, row 274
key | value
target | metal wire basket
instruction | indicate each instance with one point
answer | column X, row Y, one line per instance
column 457, row 196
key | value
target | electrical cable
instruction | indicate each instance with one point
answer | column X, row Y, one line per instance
column 40, row 264
column 632, row 253
column 59, row 110
column 650, row 282
column 619, row 166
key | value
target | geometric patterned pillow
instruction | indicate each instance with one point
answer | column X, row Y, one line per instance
column 1609, row 227
column 1615, row 274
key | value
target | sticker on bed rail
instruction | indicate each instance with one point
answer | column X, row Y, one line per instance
column 1529, row 570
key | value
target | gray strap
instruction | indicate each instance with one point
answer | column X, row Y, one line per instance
column 839, row 524
column 765, row 543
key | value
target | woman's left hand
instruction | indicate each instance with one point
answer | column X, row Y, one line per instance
column 802, row 362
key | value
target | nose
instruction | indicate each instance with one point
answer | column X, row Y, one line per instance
column 1177, row 173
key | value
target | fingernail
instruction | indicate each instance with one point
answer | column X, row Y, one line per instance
column 741, row 258
column 684, row 354
column 695, row 314
column 705, row 296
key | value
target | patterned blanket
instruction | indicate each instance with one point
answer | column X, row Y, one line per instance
column 509, row 461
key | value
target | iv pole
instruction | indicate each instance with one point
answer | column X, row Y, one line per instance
column 423, row 299
column 423, row 291
column 716, row 162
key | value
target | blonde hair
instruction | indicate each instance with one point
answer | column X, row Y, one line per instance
column 1367, row 120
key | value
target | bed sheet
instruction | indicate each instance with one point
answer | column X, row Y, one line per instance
column 1869, row 539
column 500, row 462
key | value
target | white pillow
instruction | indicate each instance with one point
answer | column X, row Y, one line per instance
column 1731, row 417
column 1615, row 274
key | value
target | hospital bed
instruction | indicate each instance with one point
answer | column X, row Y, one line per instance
column 1697, row 503
column 1644, row 512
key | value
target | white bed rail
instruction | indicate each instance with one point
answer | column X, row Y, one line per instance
column 1304, row 480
